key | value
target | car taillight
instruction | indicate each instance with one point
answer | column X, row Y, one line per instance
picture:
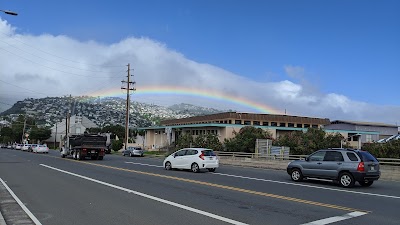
column 201, row 156
column 361, row 167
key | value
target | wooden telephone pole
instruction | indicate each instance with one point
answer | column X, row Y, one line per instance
column 129, row 87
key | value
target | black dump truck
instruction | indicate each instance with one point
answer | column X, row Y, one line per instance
column 84, row 146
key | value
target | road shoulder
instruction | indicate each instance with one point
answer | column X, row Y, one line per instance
column 10, row 211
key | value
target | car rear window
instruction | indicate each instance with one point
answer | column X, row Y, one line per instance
column 367, row 157
column 208, row 152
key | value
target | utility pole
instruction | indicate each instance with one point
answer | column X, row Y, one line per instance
column 128, row 88
column 55, row 137
column 23, row 131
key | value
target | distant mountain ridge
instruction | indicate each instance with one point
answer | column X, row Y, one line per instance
column 103, row 111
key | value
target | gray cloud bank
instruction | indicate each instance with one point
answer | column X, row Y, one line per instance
column 47, row 65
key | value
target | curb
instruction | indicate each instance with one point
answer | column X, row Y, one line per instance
column 2, row 221
column 10, row 211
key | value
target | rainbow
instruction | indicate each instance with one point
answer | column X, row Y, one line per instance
column 174, row 90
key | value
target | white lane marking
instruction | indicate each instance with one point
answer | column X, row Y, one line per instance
column 310, row 186
column 33, row 218
column 144, row 164
column 288, row 183
column 214, row 216
column 2, row 221
column 336, row 218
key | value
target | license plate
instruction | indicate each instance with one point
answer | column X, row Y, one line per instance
column 93, row 151
column 372, row 168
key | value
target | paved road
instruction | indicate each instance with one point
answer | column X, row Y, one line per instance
column 123, row 190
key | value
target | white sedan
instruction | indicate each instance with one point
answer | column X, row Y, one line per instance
column 40, row 148
column 193, row 159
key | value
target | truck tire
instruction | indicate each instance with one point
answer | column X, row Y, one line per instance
column 78, row 155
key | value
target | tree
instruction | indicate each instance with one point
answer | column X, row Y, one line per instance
column 245, row 139
column 39, row 134
column 116, row 145
column 389, row 149
column 210, row 141
column 5, row 135
column 184, row 141
column 304, row 143
column 94, row 130
column 115, row 129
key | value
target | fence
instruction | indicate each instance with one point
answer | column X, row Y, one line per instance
column 283, row 156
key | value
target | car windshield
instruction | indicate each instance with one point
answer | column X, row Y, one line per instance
column 208, row 152
column 367, row 157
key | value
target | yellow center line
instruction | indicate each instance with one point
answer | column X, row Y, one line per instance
column 224, row 187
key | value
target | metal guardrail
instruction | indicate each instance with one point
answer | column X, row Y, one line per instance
column 383, row 161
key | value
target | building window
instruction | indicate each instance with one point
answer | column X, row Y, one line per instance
column 246, row 122
column 274, row 124
column 265, row 123
column 290, row 125
column 238, row 122
column 314, row 126
column 368, row 138
column 306, row 125
column 193, row 132
column 282, row 124
column 197, row 132
column 300, row 125
column 257, row 123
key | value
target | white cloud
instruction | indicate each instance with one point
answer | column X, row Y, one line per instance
column 48, row 65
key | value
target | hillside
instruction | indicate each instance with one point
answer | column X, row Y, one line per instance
column 102, row 111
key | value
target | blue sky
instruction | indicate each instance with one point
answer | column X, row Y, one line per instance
column 350, row 48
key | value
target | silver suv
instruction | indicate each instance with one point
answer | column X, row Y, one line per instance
column 345, row 166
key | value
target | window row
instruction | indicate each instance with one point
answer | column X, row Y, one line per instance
column 200, row 132
column 275, row 124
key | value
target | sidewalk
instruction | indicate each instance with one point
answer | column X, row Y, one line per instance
column 389, row 173
column 10, row 211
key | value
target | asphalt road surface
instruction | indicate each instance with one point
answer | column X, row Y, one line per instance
column 124, row 190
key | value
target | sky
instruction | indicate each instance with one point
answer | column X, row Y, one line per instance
column 336, row 59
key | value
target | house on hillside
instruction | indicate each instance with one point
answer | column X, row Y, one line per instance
column 77, row 125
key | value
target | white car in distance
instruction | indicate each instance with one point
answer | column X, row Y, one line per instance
column 40, row 149
column 193, row 159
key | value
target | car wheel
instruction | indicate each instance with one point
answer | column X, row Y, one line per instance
column 346, row 180
column 168, row 166
column 78, row 155
column 130, row 155
column 62, row 156
column 366, row 183
column 195, row 168
column 211, row 169
column 296, row 175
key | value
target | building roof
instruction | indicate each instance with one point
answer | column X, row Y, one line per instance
column 246, row 116
column 363, row 123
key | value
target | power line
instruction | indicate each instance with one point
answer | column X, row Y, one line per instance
column 37, row 49
column 48, row 67
column 58, row 62
column 23, row 88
